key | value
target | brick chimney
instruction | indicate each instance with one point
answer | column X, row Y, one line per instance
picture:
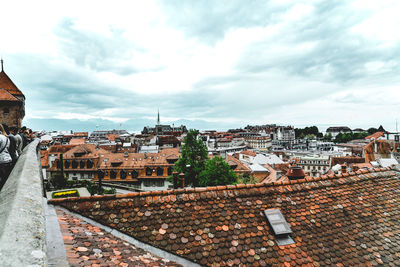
column 344, row 168
column 295, row 173
column 182, row 179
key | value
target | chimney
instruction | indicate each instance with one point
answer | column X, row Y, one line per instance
column 344, row 168
column 175, row 176
column 182, row 179
column 295, row 173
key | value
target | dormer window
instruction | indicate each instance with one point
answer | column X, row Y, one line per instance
column 281, row 229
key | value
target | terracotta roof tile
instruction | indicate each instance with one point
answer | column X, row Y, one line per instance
column 6, row 96
column 7, row 83
column 88, row 245
column 335, row 220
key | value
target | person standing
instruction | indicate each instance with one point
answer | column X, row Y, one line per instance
column 5, row 157
column 18, row 138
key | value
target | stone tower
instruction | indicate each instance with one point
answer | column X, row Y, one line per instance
column 12, row 101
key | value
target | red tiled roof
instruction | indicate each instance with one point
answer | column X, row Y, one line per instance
column 76, row 141
column 6, row 96
column 347, row 159
column 54, row 149
column 375, row 135
column 7, row 83
column 383, row 148
column 349, row 219
column 249, row 153
column 88, row 245
column 112, row 137
column 44, row 158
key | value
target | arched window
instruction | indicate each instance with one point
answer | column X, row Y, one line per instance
column 160, row 171
column 113, row 174
column 89, row 164
column 101, row 174
column 58, row 163
column 74, row 164
column 82, row 164
column 149, row 171
column 170, row 170
column 67, row 163
column 122, row 174
column 134, row 174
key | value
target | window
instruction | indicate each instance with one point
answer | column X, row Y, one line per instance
column 160, row 171
column 122, row 174
column 134, row 174
column 82, row 164
column 169, row 170
column 113, row 174
column 149, row 171
column 6, row 111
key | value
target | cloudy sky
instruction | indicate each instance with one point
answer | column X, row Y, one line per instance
column 84, row 65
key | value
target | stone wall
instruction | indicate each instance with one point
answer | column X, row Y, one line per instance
column 22, row 220
column 13, row 117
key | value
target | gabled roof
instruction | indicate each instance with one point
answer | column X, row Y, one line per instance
column 349, row 219
column 375, row 135
column 6, row 96
column 7, row 83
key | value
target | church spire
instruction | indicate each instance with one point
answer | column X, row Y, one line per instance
column 158, row 117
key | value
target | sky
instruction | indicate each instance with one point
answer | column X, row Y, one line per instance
column 87, row 65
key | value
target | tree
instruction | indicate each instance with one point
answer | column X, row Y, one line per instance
column 327, row 137
column 193, row 158
column 217, row 172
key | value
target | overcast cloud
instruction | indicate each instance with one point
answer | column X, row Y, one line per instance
column 84, row 65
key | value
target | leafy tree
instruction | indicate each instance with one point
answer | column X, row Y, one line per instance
column 246, row 179
column 327, row 137
column 307, row 131
column 193, row 158
column 217, row 172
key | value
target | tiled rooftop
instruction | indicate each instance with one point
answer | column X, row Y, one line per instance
column 7, row 83
column 342, row 220
column 88, row 245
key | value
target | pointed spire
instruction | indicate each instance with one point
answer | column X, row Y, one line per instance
column 2, row 68
column 158, row 117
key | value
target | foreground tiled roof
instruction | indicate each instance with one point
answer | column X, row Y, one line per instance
column 343, row 220
column 87, row 245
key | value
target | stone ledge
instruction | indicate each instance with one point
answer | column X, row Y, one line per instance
column 22, row 218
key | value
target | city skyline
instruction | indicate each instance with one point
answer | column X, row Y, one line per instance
column 208, row 65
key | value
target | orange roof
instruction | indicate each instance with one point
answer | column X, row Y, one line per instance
column 375, row 135
column 6, row 83
column 249, row 153
column 6, row 96
column 54, row 149
column 76, row 141
column 335, row 220
column 81, row 134
column 112, row 137
column 44, row 158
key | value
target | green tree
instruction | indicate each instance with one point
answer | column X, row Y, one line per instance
column 327, row 137
column 217, row 172
column 246, row 179
column 193, row 158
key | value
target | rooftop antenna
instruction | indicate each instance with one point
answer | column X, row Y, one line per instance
column 158, row 117
column 2, row 68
